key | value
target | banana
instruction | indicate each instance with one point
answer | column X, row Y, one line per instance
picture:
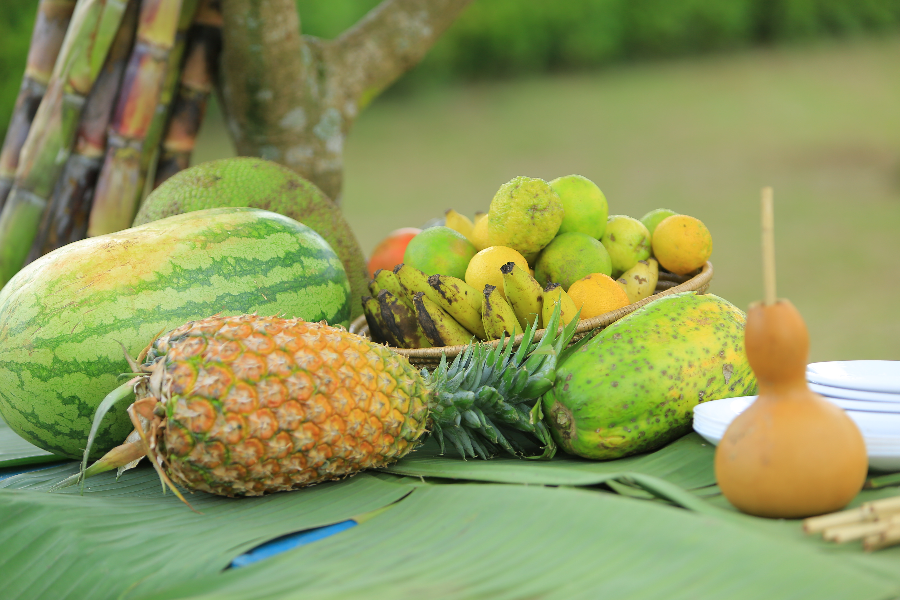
column 460, row 300
column 412, row 280
column 497, row 315
column 374, row 288
column 640, row 280
column 386, row 280
column 401, row 322
column 377, row 328
column 554, row 294
column 459, row 222
column 480, row 237
column 523, row 292
column 439, row 327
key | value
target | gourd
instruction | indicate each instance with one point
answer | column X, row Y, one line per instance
column 791, row 454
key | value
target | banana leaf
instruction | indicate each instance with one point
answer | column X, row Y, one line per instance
column 687, row 463
column 509, row 541
column 123, row 539
column 14, row 451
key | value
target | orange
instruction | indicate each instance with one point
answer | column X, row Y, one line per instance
column 596, row 294
column 484, row 268
column 681, row 244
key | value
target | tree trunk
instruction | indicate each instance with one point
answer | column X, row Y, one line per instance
column 293, row 98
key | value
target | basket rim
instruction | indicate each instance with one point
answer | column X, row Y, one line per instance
column 696, row 282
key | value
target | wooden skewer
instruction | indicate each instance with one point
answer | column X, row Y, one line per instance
column 768, row 245
column 848, row 533
column 876, row 510
column 891, row 537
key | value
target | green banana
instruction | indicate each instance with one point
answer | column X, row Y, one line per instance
column 460, row 300
column 439, row 327
column 640, row 280
column 377, row 328
column 386, row 280
column 523, row 292
column 412, row 280
column 497, row 315
column 372, row 312
column 554, row 294
column 374, row 288
column 401, row 322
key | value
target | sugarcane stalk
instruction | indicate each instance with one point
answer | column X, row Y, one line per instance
column 46, row 39
column 65, row 218
column 91, row 31
column 119, row 186
column 204, row 44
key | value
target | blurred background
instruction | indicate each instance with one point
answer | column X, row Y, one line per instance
column 692, row 105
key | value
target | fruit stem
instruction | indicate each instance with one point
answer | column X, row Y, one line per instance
column 768, row 245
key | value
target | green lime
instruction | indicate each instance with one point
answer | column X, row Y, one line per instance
column 524, row 215
column 627, row 240
column 440, row 250
column 569, row 257
column 585, row 206
column 652, row 218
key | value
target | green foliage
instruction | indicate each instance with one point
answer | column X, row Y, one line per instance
column 496, row 38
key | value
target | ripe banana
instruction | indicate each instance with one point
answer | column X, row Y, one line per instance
column 640, row 280
column 497, row 315
column 459, row 222
column 386, row 280
column 460, row 300
column 554, row 294
column 438, row 326
column 401, row 322
column 523, row 292
column 377, row 328
column 413, row 280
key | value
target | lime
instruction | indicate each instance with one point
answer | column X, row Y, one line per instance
column 585, row 206
column 440, row 250
column 652, row 218
column 524, row 215
column 627, row 240
column 569, row 257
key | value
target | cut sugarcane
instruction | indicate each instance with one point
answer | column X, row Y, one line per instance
column 91, row 30
column 204, row 44
column 65, row 218
column 46, row 39
column 119, row 186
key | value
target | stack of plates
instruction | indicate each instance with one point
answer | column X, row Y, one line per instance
column 868, row 390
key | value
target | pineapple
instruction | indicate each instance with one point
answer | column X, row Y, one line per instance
column 246, row 405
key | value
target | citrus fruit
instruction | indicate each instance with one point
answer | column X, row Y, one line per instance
column 627, row 240
column 440, row 250
column 524, row 215
column 584, row 205
column 389, row 251
column 682, row 244
column 484, row 268
column 569, row 257
column 652, row 218
column 480, row 233
column 596, row 294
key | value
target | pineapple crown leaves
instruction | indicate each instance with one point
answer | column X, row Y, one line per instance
column 487, row 393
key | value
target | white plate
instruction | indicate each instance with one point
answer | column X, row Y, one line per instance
column 836, row 392
column 884, row 462
column 868, row 375
column 864, row 406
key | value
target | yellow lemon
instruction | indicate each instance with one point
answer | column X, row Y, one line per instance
column 597, row 294
column 682, row 244
column 484, row 268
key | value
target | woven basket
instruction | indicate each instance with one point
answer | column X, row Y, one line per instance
column 668, row 284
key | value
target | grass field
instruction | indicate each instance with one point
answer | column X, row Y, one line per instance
column 702, row 136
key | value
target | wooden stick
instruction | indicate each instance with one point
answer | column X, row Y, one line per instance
column 886, row 508
column 891, row 537
column 768, row 245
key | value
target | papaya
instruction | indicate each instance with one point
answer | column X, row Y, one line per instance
column 633, row 386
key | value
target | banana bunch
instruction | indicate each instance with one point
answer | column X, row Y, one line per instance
column 409, row 309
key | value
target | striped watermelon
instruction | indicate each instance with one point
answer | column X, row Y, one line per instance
column 63, row 316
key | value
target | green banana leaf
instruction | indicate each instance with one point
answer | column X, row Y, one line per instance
column 14, row 451
column 687, row 463
column 126, row 539
column 508, row 541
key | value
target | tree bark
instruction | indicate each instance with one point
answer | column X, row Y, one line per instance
column 293, row 98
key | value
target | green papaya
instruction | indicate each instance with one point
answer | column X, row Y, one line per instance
column 633, row 386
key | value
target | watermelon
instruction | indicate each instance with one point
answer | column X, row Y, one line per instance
column 64, row 316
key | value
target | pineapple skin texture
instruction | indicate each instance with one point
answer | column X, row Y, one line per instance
column 261, row 404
